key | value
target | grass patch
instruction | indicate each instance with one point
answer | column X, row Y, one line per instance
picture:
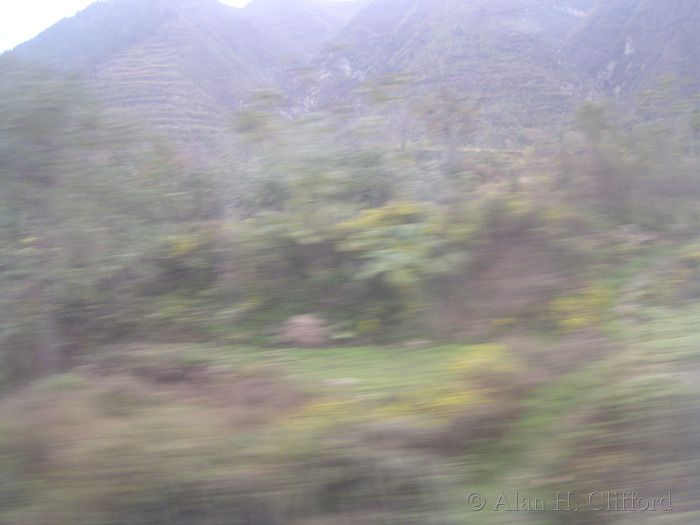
column 370, row 370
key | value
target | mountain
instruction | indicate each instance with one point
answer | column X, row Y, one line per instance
column 183, row 65
column 626, row 45
column 498, row 53
column 306, row 24
column 525, row 65
column 557, row 20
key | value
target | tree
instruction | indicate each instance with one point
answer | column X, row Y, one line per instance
column 82, row 197
column 398, row 251
column 449, row 121
column 599, row 164
column 391, row 104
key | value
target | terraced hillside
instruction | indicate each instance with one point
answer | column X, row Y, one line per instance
column 188, row 75
column 497, row 54
column 524, row 66
column 182, row 65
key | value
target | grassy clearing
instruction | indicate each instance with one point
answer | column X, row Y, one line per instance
column 367, row 370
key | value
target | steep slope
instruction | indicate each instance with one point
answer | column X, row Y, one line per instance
column 184, row 65
column 94, row 34
column 627, row 44
column 180, row 64
column 187, row 76
column 557, row 20
column 305, row 24
column 492, row 52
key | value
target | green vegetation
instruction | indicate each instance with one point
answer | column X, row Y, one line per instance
column 351, row 316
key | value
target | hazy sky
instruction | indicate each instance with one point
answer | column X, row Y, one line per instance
column 21, row 20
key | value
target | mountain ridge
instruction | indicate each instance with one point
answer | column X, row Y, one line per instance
column 182, row 65
column 185, row 65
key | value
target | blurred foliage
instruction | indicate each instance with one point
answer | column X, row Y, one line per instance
column 637, row 169
column 577, row 270
column 586, row 308
column 82, row 199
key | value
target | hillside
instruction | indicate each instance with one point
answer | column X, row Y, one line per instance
column 558, row 20
column 626, row 45
column 306, row 25
column 497, row 54
column 183, row 65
